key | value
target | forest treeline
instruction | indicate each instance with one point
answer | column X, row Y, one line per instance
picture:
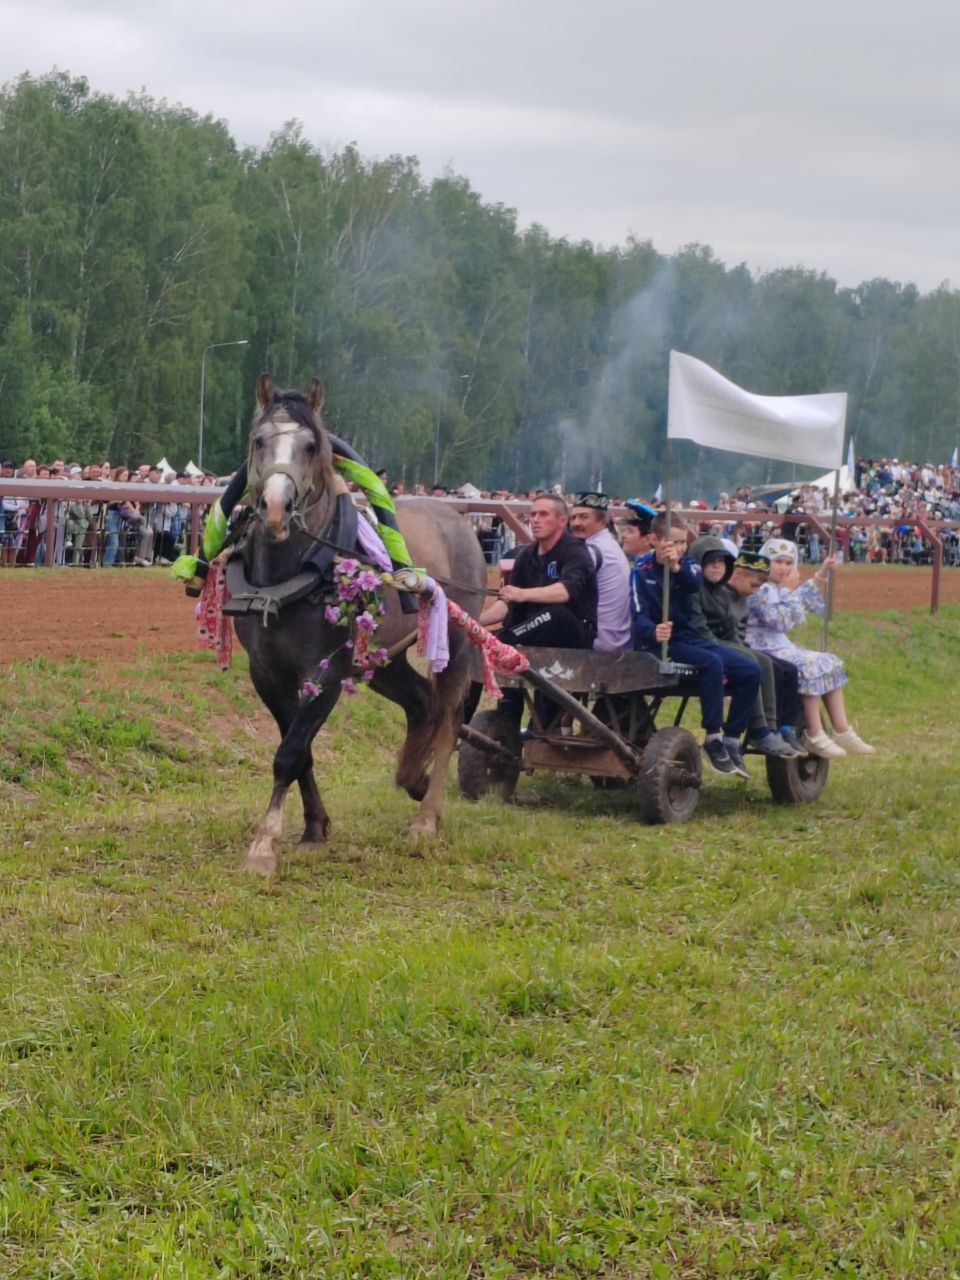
column 134, row 234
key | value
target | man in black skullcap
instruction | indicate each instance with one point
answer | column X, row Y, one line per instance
column 589, row 521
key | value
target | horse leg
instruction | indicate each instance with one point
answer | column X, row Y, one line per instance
column 293, row 761
column 400, row 683
column 316, row 823
column 450, row 690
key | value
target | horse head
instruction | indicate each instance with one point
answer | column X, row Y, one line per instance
column 290, row 459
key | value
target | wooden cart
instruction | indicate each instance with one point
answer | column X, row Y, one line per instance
column 596, row 714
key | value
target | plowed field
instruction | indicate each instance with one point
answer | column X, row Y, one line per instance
column 116, row 614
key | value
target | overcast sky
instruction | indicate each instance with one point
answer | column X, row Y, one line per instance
column 822, row 134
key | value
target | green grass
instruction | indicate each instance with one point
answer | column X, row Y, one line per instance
column 555, row 1043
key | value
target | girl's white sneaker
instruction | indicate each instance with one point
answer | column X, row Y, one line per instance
column 822, row 745
column 853, row 744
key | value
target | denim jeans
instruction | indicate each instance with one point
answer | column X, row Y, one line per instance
column 113, row 538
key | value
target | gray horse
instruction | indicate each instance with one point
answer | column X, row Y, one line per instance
column 294, row 490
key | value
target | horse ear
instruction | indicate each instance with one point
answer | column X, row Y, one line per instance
column 265, row 392
column 315, row 394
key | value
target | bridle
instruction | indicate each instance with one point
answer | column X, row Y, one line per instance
column 303, row 484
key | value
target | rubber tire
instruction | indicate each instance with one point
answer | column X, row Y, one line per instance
column 797, row 781
column 478, row 773
column 663, row 797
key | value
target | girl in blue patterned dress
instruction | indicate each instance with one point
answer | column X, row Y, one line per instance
column 777, row 607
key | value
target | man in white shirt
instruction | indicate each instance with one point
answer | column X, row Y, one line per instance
column 588, row 520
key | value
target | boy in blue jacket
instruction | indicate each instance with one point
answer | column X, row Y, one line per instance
column 712, row 662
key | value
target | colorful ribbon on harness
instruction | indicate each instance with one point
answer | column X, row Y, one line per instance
column 433, row 627
column 371, row 484
column 495, row 655
column 214, row 631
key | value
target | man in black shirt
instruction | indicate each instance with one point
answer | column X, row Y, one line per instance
column 551, row 598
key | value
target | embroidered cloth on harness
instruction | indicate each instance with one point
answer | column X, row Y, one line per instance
column 214, row 630
column 433, row 641
column 495, row 655
column 437, row 611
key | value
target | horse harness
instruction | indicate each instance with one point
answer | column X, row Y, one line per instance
column 314, row 577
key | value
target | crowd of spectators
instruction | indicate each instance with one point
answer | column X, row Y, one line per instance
column 892, row 499
column 890, row 496
column 95, row 533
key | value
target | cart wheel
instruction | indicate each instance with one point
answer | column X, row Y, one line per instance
column 668, row 784
column 480, row 772
column 796, row 781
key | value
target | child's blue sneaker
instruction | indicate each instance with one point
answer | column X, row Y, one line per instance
column 791, row 738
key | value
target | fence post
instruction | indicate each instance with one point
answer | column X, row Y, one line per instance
column 194, row 528
column 933, row 537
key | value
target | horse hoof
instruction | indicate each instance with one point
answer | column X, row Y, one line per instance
column 262, row 862
column 315, row 835
column 265, row 867
column 424, row 826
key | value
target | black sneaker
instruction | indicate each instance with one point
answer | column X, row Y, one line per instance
column 717, row 756
column 792, row 739
column 732, row 748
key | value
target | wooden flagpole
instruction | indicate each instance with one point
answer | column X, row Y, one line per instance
column 668, row 459
column 828, row 611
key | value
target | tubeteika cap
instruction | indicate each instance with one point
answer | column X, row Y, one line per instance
column 595, row 501
column 752, row 562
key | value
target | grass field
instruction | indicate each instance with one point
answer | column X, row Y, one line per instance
column 554, row 1043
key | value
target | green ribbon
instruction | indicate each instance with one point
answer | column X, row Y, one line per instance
column 215, row 530
column 184, row 568
column 374, row 488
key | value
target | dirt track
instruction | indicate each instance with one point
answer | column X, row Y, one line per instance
column 114, row 615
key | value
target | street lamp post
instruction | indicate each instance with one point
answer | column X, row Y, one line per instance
column 203, row 371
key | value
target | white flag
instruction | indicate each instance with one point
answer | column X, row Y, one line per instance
column 706, row 407
column 851, row 463
column 953, row 460
column 658, row 496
